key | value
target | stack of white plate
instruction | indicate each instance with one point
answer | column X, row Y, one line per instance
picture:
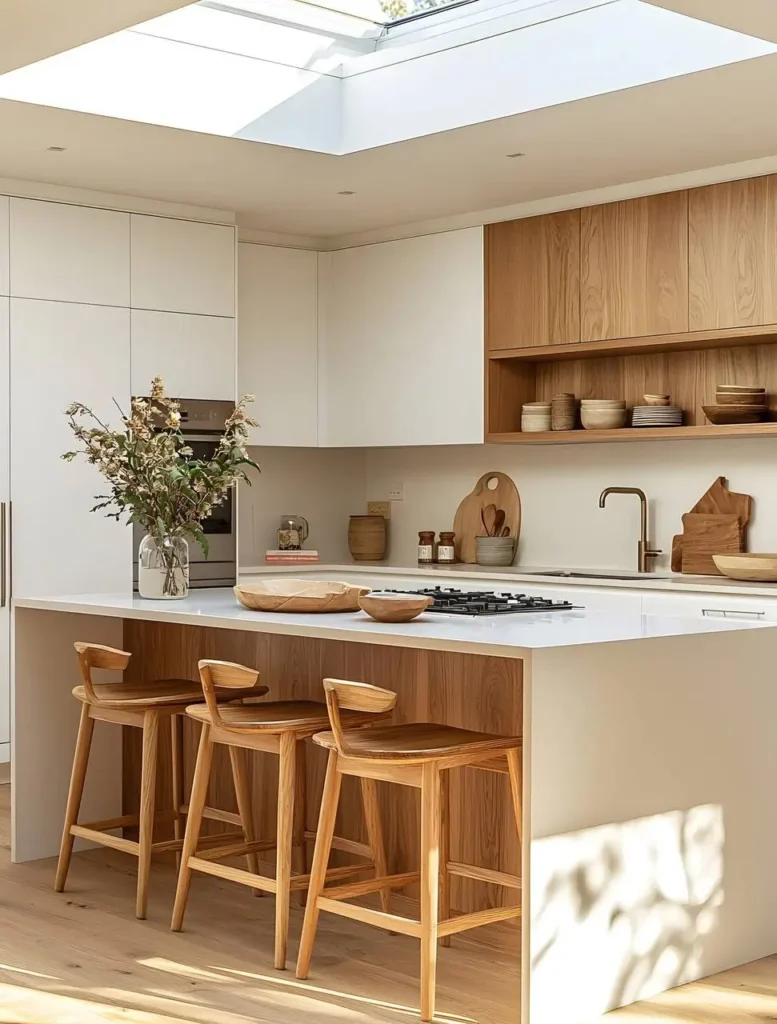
column 535, row 417
column 657, row 416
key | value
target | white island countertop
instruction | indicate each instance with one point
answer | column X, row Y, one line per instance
column 511, row 635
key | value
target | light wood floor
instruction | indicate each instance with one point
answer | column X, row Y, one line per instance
column 82, row 958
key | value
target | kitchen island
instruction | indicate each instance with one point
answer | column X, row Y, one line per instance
column 649, row 765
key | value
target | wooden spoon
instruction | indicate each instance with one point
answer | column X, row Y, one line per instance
column 488, row 516
column 499, row 521
column 505, row 532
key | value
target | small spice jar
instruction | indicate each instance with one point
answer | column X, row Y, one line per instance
column 446, row 554
column 426, row 547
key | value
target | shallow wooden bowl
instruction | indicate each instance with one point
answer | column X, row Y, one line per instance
column 656, row 399
column 393, row 607
column 734, row 389
column 748, row 567
column 722, row 414
column 285, row 595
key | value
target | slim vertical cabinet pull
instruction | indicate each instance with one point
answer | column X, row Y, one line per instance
column 3, row 545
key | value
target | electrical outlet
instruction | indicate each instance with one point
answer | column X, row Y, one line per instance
column 396, row 492
column 379, row 508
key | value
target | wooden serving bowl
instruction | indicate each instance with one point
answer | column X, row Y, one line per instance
column 393, row 607
column 748, row 567
column 723, row 414
column 286, row 595
column 741, row 398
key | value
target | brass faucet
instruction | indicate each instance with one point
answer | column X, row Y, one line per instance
column 643, row 549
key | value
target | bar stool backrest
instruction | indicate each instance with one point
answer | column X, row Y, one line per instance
column 225, row 675
column 351, row 696
column 100, row 657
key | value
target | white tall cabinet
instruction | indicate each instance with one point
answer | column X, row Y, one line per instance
column 5, row 395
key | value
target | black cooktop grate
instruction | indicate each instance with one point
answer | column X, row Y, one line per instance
column 484, row 602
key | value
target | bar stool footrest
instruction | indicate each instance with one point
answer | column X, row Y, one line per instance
column 478, row 919
column 484, row 875
column 390, row 922
column 354, row 889
column 334, row 874
column 105, row 839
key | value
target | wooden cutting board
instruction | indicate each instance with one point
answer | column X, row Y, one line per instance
column 467, row 523
column 719, row 500
column 708, row 535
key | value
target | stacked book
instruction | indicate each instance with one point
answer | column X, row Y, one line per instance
column 291, row 557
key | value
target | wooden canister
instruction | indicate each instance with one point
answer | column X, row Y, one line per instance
column 367, row 538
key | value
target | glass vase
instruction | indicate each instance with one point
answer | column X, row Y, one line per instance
column 163, row 568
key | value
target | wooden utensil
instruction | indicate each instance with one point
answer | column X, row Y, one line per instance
column 467, row 522
column 708, row 535
column 761, row 568
column 488, row 517
column 499, row 521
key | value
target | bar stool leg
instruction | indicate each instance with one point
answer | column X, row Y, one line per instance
column 516, row 783
column 445, row 851
column 286, row 785
column 176, row 775
column 197, row 800
column 75, row 792
column 375, row 837
column 237, row 756
column 430, row 884
column 326, row 830
column 147, row 795
column 299, row 855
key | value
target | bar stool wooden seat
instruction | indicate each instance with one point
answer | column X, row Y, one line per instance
column 142, row 705
column 417, row 755
column 279, row 728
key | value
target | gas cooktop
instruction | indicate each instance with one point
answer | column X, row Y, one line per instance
column 484, row 602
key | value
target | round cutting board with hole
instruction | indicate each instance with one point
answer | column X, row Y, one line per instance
column 491, row 489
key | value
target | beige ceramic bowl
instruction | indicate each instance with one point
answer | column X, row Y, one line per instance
column 656, row 399
column 603, row 419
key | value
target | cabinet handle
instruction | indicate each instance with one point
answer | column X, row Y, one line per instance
column 723, row 613
column 3, row 545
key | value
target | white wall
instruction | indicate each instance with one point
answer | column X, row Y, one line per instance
column 325, row 485
column 560, row 487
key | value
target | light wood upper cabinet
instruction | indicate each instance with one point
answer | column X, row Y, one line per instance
column 733, row 254
column 278, row 342
column 533, row 281
column 634, row 268
column 69, row 253
column 182, row 267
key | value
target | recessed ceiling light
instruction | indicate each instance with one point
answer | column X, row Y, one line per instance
column 56, row 149
column 514, row 156
column 346, row 193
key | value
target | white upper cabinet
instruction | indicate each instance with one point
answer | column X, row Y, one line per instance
column 5, row 610
column 5, row 283
column 195, row 355
column 277, row 342
column 401, row 342
column 182, row 267
column 69, row 253
column 61, row 352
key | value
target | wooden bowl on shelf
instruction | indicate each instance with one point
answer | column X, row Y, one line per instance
column 656, row 399
column 721, row 415
column 284, row 595
column 393, row 607
column 757, row 568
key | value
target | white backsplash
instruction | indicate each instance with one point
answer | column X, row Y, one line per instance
column 559, row 487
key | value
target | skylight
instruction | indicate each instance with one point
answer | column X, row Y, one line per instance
column 375, row 12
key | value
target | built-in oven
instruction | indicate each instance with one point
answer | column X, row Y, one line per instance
column 202, row 424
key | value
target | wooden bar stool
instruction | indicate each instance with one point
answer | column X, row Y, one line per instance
column 279, row 727
column 418, row 755
column 144, row 706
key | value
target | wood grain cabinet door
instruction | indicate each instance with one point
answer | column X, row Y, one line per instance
column 733, row 254
column 532, row 281
column 634, row 268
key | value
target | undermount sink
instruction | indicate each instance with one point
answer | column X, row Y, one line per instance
column 565, row 574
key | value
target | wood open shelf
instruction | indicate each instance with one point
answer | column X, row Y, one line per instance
column 688, row 367
column 768, row 429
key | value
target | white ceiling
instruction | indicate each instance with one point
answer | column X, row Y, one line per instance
column 34, row 29
column 703, row 120
column 755, row 17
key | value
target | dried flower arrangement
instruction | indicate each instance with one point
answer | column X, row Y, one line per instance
column 153, row 476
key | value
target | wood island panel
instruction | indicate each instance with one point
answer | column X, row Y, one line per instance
column 465, row 690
